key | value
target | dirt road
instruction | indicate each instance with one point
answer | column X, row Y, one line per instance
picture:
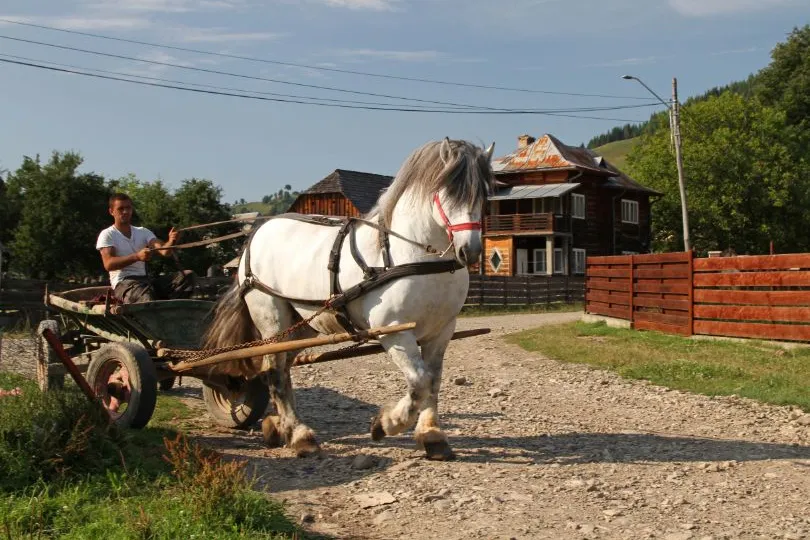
column 545, row 450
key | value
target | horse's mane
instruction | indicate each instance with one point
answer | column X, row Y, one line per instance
column 459, row 167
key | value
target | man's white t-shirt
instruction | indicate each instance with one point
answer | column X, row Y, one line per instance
column 112, row 237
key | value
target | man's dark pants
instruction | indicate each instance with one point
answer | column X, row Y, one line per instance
column 132, row 289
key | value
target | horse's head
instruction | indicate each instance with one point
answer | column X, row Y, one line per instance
column 445, row 186
column 458, row 203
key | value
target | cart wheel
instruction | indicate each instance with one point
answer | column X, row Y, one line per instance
column 123, row 376
column 239, row 408
column 166, row 384
column 46, row 357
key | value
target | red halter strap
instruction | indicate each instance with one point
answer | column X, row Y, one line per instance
column 468, row 226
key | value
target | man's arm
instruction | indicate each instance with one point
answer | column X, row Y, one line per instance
column 112, row 262
column 157, row 243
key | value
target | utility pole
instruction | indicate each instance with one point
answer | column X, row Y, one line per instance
column 675, row 127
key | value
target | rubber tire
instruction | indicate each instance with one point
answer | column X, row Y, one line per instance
column 48, row 382
column 243, row 415
column 167, row 384
column 142, row 376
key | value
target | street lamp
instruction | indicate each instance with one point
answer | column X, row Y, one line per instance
column 675, row 128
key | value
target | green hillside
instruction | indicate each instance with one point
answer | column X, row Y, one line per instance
column 616, row 151
column 257, row 206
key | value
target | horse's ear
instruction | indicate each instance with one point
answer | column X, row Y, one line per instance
column 490, row 150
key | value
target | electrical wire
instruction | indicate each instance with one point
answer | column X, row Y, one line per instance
column 317, row 68
column 252, row 77
column 282, row 100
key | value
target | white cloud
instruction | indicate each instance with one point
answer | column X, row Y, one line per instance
column 736, row 51
column 162, row 6
column 703, row 8
column 402, row 56
column 219, row 35
column 98, row 23
column 373, row 5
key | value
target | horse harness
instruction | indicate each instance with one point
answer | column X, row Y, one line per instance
column 374, row 276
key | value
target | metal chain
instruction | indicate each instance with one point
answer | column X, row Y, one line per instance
column 192, row 355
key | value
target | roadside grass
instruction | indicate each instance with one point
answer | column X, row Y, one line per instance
column 65, row 473
column 482, row 311
column 756, row 370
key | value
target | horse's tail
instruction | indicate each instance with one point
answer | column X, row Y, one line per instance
column 231, row 323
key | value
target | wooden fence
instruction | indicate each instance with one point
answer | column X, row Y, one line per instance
column 491, row 291
column 22, row 300
column 760, row 296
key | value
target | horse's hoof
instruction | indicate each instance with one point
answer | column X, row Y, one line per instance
column 377, row 431
column 304, row 443
column 270, row 433
column 439, row 451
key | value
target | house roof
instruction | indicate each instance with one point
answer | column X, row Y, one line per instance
column 361, row 188
column 549, row 153
column 533, row 192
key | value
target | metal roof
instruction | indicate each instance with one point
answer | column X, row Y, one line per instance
column 533, row 192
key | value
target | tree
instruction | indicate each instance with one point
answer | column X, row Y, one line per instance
column 196, row 202
column 746, row 185
column 785, row 82
column 60, row 217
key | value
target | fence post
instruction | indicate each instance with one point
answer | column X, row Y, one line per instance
column 481, row 291
column 632, row 292
column 505, row 292
column 690, row 260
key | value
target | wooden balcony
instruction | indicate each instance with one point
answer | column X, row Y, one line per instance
column 545, row 223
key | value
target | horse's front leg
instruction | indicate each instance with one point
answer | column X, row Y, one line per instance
column 286, row 427
column 404, row 351
column 428, row 434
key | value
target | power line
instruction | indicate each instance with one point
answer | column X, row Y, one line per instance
column 164, row 80
column 281, row 100
column 201, row 85
column 472, row 108
column 318, row 68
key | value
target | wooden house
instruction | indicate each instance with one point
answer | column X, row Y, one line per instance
column 556, row 204
column 342, row 193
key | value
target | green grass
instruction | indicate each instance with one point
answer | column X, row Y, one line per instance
column 476, row 311
column 64, row 473
column 756, row 370
column 616, row 152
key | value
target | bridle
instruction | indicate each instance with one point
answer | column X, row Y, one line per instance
column 467, row 226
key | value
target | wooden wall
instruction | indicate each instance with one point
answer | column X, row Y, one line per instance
column 326, row 204
column 505, row 247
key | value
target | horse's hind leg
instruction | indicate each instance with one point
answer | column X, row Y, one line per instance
column 404, row 350
column 286, row 426
column 272, row 315
column 428, row 434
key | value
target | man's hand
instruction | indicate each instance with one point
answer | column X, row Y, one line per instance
column 173, row 235
column 144, row 255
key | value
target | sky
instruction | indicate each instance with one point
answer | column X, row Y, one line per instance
column 251, row 147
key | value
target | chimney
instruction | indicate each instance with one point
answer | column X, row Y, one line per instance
column 525, row 140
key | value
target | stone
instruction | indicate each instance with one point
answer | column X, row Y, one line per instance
column 382, row 517
column 307, row 518
column 803, row 420
column 370, row 500
column 363, row 461
column 460, row 381
column 496, row 392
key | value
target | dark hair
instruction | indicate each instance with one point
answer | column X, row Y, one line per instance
column 119, row 197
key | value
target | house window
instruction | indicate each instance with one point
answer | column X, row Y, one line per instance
column 558, row 206
column 629, row 211
column 579, row 261
column 559, row 261
column 495, row 259
column 540, row 261
column 578, row 205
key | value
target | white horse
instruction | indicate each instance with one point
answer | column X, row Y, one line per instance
column 436, row 199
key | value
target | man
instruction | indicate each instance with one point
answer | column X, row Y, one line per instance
column 125, row 250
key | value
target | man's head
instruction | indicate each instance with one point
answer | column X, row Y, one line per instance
column 121, row 208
